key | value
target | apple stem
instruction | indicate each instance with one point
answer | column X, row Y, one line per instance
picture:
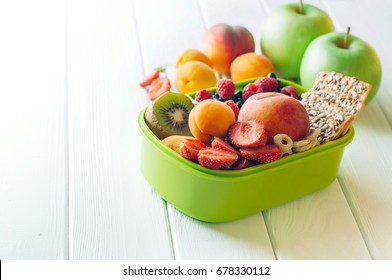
column 345, row 43
column 301, row 7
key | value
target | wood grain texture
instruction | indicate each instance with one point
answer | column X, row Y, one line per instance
column 193, row 239
column 33, row 179
column 113, row 213
column 365, row 173
column 321, row 222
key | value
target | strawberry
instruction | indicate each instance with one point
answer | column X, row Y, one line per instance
column 241, row 163
column 220, row 144
column 264, row 154
column 189, row 148
column 147, row 81
column 248, row 134
column 158, row 87
column 216, row 159
column 225, row 89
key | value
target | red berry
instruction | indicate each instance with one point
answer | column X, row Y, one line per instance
column 203, row 94
column 190, row 148
column 225, row 89
column 234, row 107
column 220, row 144
column 264, row 154
column 241, row 163
column 248, row 134
column 248, row 91
column 216, row 159
column 267, row 84
column 290, row 91
column 150, row 78
column 158, row 87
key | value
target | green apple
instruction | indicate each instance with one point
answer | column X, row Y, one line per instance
column 287, row 32
column 351, row 56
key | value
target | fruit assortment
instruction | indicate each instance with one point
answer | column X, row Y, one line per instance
column 232, row 127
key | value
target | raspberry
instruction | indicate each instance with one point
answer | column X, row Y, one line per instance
column 233, row 107
column 203, row 94
column 290, row 91
column 267, row 84
column 225, row 88
column 248, row 91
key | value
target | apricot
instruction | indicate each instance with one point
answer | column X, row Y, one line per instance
column 250, row 65
column 280, row 114
column 210, row 118
column 194, row 75
column 191, row 55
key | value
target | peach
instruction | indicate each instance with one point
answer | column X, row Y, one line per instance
column 210, row 118
column 191, row 55
column 250, row 65
column 222, row 43
column 280, row 114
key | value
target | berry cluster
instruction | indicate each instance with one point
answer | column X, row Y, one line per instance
column 235, row 98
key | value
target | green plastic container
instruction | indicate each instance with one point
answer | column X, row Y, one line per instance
column 225, row 195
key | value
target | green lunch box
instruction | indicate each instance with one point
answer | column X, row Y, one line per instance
column 224, row 195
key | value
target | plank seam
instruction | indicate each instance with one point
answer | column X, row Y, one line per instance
column 268, row 227
column 169, row 227
column 66, row 138
column 342, row 185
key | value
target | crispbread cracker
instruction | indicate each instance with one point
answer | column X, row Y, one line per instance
column 333, row 103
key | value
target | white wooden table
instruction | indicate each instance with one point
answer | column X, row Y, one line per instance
column 70, row 185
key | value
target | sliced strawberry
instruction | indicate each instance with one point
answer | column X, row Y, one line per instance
column 216, row 159
column 189, row 148
column 220, row 144
column 158, row 87
column 264, row 154
column 241, row 163
column 150, row 78
column 248, row 134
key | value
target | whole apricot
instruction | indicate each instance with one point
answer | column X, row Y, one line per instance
column 191, row 55
column 250, row 65
column 194, row 75
column 210, row 118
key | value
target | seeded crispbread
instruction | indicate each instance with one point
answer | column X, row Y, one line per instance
column 333, row 102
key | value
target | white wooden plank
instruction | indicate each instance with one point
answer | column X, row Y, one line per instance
column 322, row 221
column 113, row 213
column 33, row 187
column 365, row 172
column 242, row 239
column 371, row 21
column 318, row 226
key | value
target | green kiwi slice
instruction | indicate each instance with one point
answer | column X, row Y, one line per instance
column 169, row 115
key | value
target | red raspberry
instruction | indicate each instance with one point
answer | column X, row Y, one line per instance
column 267, row 84
column 248, row 91
column 203, row 94
column 225, row 89
column 233, row 107
column 290, row 91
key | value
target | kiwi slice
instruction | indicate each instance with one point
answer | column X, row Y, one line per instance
column 169, row 114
